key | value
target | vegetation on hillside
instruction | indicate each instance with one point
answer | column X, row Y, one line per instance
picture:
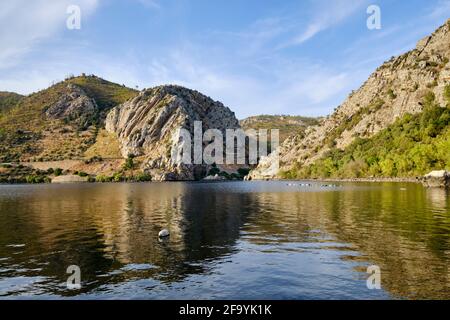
column 288, row 125
column 26, row 134
column 412, row 146
column 8, row 100
column 105, row 93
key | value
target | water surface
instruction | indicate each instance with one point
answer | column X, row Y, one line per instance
column 242, row 240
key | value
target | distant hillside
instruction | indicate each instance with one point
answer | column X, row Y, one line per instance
column 396, row 124
column 288, row 125
column 8, row 100
column 60, row 122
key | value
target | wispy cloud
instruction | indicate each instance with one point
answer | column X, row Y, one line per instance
column 296, row 86
column 441, row 10
column 326, row 14
column 244, row 66
column 24, row 24
column 153, row 4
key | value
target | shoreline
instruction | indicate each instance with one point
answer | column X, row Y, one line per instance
column 365, row 180
column 373, row 180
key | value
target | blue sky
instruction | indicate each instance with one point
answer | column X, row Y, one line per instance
column 256, row 56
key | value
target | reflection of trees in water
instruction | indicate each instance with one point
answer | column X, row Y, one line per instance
column 404, row 232
column 103, row 228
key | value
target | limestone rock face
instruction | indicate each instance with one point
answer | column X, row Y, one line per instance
column 394, row 89
column 437, row 179
column 147, row 124
column 75, row 106
column 69, row 179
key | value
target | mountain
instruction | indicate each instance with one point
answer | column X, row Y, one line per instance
column 288, row 125
column 92, row 128
column 146, row 124
column 396, row 124
column 60, row 122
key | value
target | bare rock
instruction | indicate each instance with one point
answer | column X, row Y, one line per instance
column 215, row 178
column 75, row 106
column 146, row 125
column 437, row 179
column 69, row 179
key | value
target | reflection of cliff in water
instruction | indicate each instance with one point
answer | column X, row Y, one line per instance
column 111, row 232
column 111, row 227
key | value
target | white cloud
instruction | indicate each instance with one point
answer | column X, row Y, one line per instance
column 24, row 24
column 297, row 87
column 326, row 15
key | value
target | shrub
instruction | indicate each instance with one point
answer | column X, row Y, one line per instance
column 243, row 171
column 429, row 99
column 102, row 178
column 225, row 175
column 129, row 163
column 213, row 171
column 143, row 177
column 432, row 84
column 37, row 179
column 391, row 94
column 58, row 172
column 235, row 176
column 447, row 93
column 118, row 177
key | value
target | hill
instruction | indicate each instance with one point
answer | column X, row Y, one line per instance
column 87, row 127
column 288, row 125
column 60, row 122
column 396, row 124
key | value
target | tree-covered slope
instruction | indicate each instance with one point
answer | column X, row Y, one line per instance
column 385, row 128
column 412, row 146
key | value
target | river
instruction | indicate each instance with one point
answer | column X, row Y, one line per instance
column 230, row 240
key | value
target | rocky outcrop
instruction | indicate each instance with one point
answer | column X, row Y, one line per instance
column 396, row 88
column 437, row 179
column 146, row 125
column 74, row 106
column 215, row 178
column 69, row 179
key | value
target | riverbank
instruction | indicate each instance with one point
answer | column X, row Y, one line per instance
column 392, row 179
column 45, row 173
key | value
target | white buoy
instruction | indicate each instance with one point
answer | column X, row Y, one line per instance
column 164, row 233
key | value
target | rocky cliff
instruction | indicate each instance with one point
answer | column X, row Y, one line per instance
column 146, row 125
column 74, row 106
column 397, row 88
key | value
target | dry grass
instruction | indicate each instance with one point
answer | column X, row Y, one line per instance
column 106, row 146
column 27, row 135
